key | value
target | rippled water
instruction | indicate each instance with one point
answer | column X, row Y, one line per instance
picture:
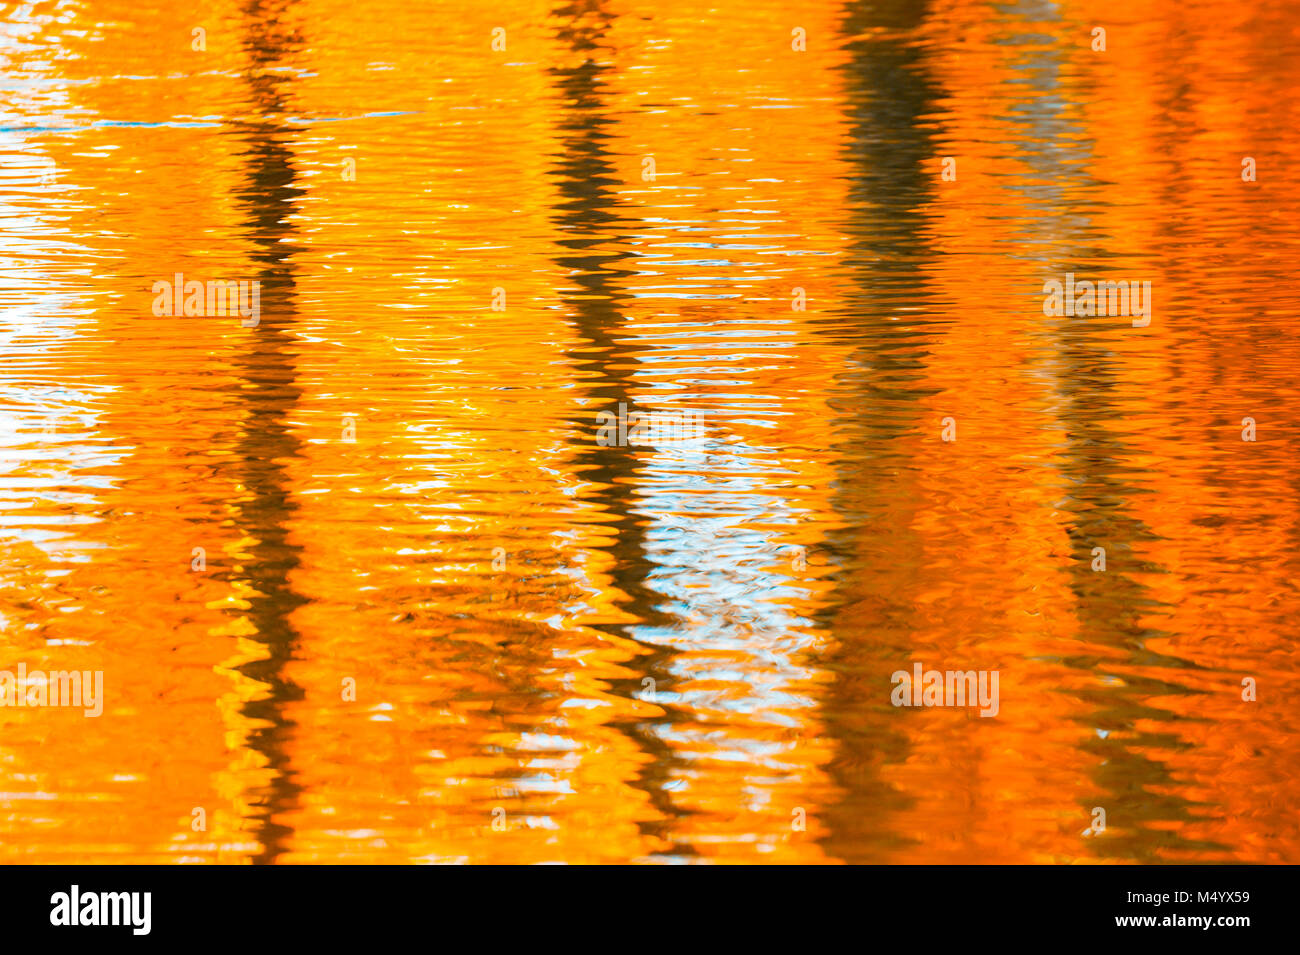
column 364, row 585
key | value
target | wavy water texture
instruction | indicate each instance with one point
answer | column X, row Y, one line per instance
column 365, row 586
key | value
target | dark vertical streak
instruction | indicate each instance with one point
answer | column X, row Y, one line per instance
column 889, row 96
column 267, row 443
column 585, row 173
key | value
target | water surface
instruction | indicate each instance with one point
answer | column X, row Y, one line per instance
column 365, row 587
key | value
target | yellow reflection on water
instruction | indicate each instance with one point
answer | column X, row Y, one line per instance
column 364, row 586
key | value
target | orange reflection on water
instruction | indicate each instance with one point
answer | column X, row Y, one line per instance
column 365, row 588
